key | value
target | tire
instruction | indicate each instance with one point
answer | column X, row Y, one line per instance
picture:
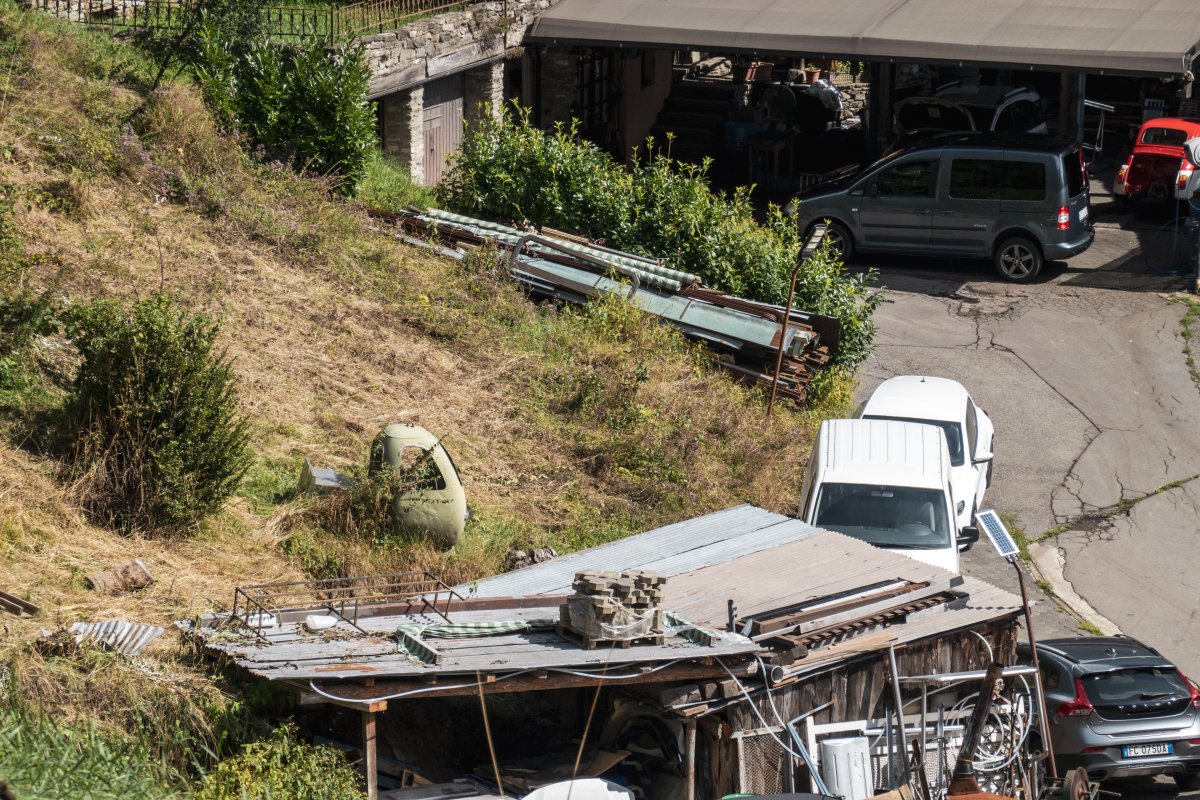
column 1018, row 259
column 1188, row 782
column 840, row 240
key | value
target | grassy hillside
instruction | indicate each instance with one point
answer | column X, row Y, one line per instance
column 570, row 427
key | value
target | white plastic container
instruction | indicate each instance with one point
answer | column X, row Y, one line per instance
column 846, row 767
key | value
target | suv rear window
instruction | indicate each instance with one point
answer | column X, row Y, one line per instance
column 997, row 179
column 1170, row 137
column 1133, row 693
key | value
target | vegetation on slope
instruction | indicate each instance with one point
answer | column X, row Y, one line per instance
column 570, row 426
column 510, row 170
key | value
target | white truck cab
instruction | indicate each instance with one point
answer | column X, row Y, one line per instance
column 887, row 483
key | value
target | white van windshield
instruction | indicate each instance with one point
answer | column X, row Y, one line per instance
column 885, row 516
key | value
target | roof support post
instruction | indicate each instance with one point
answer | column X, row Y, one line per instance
column 1079, row 96
column 879, row 103
column 370, row 758
column 689, row 746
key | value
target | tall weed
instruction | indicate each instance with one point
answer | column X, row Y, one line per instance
column 49, row 760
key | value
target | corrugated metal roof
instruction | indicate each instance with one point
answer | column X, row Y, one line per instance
column 674, row 549
column 821, row 565
column 120, row 635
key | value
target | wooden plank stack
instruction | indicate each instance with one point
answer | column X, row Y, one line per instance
column 618, row 608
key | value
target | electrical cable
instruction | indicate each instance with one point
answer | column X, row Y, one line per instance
column 757, row 713
column 443, row 687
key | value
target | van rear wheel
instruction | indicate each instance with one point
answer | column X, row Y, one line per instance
column 1018, row 259
column 839, row 239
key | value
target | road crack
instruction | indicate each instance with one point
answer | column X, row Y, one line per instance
column 1098, row 523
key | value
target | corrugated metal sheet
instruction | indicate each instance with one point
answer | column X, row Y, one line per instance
column 120, row 635
column 671, row 550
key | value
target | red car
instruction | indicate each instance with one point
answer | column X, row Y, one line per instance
column 1153, row 166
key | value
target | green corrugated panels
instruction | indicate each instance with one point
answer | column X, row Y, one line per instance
column 648, row 271
column 726, row 324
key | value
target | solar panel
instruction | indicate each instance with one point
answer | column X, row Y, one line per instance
column 814, row 241
column 998, row 534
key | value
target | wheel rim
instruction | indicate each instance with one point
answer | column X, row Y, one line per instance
column 836, row 241
column 1017, row 261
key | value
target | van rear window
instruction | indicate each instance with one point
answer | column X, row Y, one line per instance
column 997, row 179
column 1169, row 137
column 1073, row 171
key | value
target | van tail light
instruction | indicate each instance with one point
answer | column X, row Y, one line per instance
column 1064, row 217
column 1093, row 750
column 1079, row 705
column 1186, row 168
column 1191, row 687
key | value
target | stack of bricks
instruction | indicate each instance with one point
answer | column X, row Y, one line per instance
column 615, row 605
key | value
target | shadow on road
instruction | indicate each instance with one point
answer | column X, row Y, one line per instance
column 1138, row 252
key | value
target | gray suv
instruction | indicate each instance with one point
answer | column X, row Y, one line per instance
column 1119, row 709
column 1017, row 200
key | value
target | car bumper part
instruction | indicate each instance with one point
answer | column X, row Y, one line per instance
column 1061, row 250
column 1103, row 766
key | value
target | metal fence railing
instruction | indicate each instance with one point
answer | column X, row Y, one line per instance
column 380, row 16
column 332, row 21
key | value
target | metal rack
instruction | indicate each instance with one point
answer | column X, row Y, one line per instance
column 256, row 607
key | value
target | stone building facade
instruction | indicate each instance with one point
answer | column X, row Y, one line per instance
column 434, row 75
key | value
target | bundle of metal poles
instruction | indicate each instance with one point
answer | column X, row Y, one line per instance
column 744, row 336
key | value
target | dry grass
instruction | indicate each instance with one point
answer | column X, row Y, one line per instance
column 569, row 428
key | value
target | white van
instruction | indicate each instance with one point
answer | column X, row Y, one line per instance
column 887, row 483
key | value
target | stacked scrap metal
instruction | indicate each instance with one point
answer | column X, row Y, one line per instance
column 614, row 607
column 744, row 336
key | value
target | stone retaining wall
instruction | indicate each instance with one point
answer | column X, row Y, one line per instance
column 447, row 43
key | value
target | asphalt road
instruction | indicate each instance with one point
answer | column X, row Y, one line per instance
column 1084, row 376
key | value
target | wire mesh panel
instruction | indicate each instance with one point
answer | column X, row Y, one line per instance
column 764, row 765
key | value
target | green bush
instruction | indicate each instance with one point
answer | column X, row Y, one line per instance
column 303, row 104
column 153, row 418
column 509, row 170
column 282, row 768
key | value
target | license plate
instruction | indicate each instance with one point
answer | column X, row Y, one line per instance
column 1136, row 750
column 1083, row 213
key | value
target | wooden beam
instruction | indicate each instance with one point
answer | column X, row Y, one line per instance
column 689, row 777
column 463, row 685
column 370, row 757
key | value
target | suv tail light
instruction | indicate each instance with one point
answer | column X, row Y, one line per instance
column 1192, row 687
column 1064, row 217
column 1079, row 705
column 1186, row 168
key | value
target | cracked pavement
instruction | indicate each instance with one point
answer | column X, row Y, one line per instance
column 1083, row 375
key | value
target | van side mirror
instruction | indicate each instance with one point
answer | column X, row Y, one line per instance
column 968, row 536
column 982, row 457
